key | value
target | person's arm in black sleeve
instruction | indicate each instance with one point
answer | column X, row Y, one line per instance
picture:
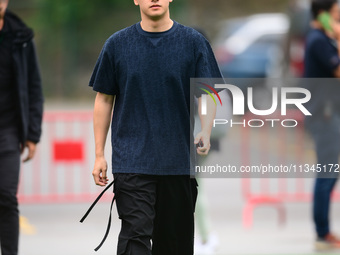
column 336, row 31
column 36, row 100
column 337, row 69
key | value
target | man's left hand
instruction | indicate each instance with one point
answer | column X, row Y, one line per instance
column 31, row 146
column 203, row 139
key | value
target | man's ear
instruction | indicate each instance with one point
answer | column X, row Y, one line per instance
column 136, row 2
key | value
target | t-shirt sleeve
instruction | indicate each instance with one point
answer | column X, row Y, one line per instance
column 206, row 64
column 103, row 78
column 325, row 54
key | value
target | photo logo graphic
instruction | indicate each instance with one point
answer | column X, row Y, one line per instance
column 204, row 97
column 239, row 100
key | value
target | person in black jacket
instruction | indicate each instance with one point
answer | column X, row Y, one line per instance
column 21, row 108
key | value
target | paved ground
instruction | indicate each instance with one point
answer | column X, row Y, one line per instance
column 55, row 229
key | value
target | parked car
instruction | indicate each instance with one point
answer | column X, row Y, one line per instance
column 252, row 47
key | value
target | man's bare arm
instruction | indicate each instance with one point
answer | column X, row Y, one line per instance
column 101, row 122
column 206, row 125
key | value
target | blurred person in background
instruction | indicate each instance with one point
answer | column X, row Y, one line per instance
column 21, row 111
column 145, row 71
column 322, row 61
column 300, row 18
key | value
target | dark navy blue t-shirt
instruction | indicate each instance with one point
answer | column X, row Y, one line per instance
column 150, row 75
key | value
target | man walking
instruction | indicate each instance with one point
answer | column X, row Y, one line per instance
column 20, row 117
column 144, row 71
column 322, row 61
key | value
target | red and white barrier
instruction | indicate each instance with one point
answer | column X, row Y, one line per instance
column 62, row 168
column 293, row 146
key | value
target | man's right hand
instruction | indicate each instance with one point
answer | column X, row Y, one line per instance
column 100, row 172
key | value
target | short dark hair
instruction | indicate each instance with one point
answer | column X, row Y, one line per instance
column 321, row 5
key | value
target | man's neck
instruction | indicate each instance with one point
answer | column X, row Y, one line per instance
column 1, row 24
column 160, row 25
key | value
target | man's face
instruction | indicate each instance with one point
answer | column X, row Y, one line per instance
column 154, row 9
column 3, row 7
column 335, row 12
